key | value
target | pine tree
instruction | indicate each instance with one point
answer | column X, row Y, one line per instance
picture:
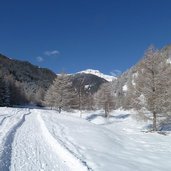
column 7, row 94
column 2, row 92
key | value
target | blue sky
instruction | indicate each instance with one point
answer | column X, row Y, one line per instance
column 73, row 35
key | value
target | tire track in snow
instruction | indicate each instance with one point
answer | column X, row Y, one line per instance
column 5, row 159
column 6, row 124
column 4, row 119
column 7, row 116
column 71, row 143
column 30, row 150
column 66, row 155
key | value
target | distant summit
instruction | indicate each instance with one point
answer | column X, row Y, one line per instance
column 108, row 78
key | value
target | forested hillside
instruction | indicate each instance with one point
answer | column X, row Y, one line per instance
column 23, row 82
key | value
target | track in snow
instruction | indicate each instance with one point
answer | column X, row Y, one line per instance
column 41, row 140
column 31, row 152
column 6, row 116
column 3, row 119
column 5, row 159
column 66, row 156
column 67, row 141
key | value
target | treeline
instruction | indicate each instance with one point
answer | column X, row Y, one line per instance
column 146, row 88
column 10, row 92
column 63, row 95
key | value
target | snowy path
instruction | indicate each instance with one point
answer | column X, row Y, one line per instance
column 43, row 140
column 9, row 124
column 36, row 152
column 70, row 160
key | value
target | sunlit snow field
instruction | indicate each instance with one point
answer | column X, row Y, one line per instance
column 44, row 140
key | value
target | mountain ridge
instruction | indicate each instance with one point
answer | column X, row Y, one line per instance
column 108, row 78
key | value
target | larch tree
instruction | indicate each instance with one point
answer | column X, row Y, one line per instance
column 152, row 84
column 80, row 95
column 105, row 99
column 61, row 94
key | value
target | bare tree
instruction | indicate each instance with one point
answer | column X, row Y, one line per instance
column 49, row 99
column 60, row 94
column 152, row 84
column 80, row 95
column 105, row 99
column 90, row 101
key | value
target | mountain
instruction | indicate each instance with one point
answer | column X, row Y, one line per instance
column 86, row 85
column 89, row 82
column 29, row 80
column 108, row 78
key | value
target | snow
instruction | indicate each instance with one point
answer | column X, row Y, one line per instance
column 169, row 60
column 134, row 76
column 169, row 57
column 72, row 162
column 87, row 86
column 43, row 140
column 99, row 74
column 125, row 88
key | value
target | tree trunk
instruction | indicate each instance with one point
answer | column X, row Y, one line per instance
column 60, row 108
column 80, row 104
column 154, row 121
column 106, row 111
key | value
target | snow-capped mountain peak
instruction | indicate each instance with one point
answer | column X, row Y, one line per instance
column 99, row 74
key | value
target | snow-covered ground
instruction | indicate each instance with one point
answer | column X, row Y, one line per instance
column 43, row 140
